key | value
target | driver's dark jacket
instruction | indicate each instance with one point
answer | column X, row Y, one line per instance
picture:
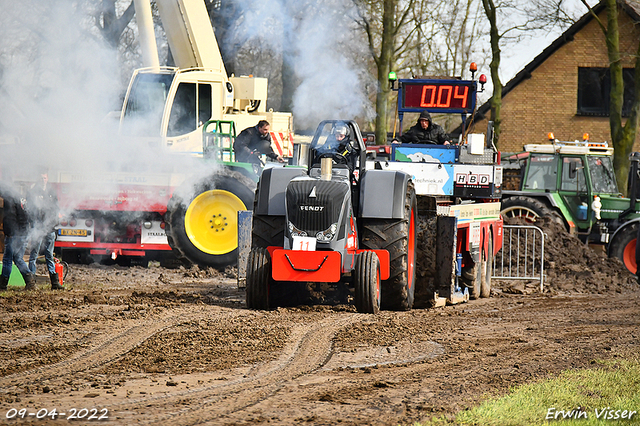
column 250, row 140
column 417, row 134
column 343, row 147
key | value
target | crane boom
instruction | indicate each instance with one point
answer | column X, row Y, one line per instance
column 190, row 34
column 147, row 37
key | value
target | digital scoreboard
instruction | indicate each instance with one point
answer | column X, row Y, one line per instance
column 444, row 96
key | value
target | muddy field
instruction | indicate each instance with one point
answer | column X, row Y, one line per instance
column 177, row 346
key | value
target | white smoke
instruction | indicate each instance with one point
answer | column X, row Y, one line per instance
column 58, row 82
column 332, row 77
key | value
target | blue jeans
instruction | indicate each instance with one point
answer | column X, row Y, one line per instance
column 49, row 240
column 14, row 248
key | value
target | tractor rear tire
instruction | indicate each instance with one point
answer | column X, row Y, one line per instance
column 398, row 237
column 529, row 209
column 487, row 269
column 367, row 283
column 258, row 279
column 203, row 226
column 267, row 231
column 623, row 247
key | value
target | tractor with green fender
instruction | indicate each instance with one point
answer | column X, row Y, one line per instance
column 574, row 183
column 202, row 224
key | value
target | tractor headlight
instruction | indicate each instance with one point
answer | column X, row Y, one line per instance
column 295, row 232
column 328, row 234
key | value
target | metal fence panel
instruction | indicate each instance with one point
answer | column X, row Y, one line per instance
column 522, row 254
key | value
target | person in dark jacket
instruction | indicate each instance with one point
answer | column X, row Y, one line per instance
column 426, row 131
column 16, row 227
column 43, row 214
column 254, row 141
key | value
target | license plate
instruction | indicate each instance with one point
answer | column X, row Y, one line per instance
column 73, row 232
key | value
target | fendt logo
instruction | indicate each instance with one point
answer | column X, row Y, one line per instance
column 312, row 208
column 471, row 179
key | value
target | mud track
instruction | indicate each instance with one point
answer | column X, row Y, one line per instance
column 153, row 345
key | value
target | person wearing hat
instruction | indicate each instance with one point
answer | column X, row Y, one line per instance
column 426, row 131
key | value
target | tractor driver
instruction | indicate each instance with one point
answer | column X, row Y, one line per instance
column 426, row 131
column 252, row 142
column 339, row 142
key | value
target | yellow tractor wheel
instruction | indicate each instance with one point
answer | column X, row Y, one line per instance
column 202, row 227
column 211, row 221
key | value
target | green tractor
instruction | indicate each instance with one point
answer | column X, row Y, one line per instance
column 202, row 223
column 574, row 183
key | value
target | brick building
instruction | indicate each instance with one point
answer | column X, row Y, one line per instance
column 565, row 89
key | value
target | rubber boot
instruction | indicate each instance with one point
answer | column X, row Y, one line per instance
column 29, row 281
column 55, row 282
column 3, row 282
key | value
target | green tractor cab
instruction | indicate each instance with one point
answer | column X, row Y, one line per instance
column 574, row 183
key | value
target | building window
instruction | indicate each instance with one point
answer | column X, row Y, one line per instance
column 594, row 86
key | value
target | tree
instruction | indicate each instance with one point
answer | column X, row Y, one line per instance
column 446, row 42
column 509, row 22
column 494, row 66
column 223, row 14
column 110, row 25
column 622, row 137
column 383, row 63
column 417, row 38
column 384, row 45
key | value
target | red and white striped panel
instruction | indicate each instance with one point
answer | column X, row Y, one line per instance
column 282, row 143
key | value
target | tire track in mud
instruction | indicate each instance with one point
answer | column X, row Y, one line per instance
column 107, row 349
column 309, row 348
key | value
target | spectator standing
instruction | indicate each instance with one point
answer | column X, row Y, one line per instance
column 16, row 227
column 43, row 214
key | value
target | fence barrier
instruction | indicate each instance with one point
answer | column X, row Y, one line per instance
column 521, row 256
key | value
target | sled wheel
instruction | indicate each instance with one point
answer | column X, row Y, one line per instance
column 471, row 278
column 367, row 283
column 623, row 247
column 258, row 279
column 398, row 237
column 487, row 268
column 204, row 229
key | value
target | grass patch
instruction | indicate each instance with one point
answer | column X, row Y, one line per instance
column 581, row 395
